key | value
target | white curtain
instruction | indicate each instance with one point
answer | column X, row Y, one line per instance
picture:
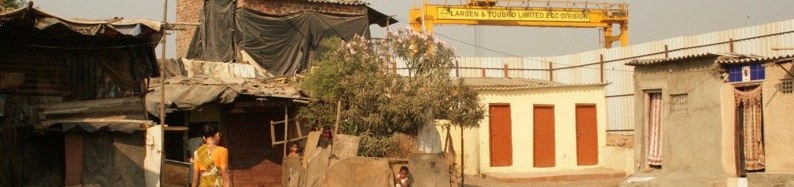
column 653, row 129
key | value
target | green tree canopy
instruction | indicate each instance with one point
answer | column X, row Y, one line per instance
column 11, row 5
column 376, row 101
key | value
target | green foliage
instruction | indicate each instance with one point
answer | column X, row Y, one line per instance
column 11, row 4
column 376, row 102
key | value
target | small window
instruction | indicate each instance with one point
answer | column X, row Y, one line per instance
column 679, row 103
column 744, row 73
column 786, row 86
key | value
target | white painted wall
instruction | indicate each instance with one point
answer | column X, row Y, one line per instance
column 521, row 107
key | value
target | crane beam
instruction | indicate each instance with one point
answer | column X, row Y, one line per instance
column 524, row 13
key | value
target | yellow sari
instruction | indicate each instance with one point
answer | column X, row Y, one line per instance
column 211, row 177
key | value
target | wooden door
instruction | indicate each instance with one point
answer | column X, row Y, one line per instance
column 500, row 135
column 586, row 135
column 544, row 136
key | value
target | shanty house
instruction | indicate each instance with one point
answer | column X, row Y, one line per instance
column 534, row 126
column 263, row 44
column 712, row 119
column 71, row 109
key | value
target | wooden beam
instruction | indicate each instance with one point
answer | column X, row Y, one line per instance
column 175, row 128
column 290, row 140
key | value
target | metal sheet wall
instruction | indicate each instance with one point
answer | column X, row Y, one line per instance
column 756, row 40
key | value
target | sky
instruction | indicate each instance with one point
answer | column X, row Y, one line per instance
column 649, row 20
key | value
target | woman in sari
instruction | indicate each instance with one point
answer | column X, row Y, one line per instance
column 211, row 161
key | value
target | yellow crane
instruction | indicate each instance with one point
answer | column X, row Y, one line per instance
column 529, row 13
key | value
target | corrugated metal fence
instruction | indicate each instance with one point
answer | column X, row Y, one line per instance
column 608, row 64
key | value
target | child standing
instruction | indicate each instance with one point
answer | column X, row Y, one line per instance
column 401, row 180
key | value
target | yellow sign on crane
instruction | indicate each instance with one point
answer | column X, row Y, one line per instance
column 526, row 13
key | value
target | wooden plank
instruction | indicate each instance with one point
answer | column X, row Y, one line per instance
column 312, row 140
column 298, row 129
column 175, row 128
column 280, row 122
column 272, row 133
column 290, row 140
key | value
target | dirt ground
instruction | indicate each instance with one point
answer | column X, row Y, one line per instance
column 477, row 181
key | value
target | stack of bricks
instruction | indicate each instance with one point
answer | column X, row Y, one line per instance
column 189, row 11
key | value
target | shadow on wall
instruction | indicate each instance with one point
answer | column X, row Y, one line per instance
column 35, row 159
column 114, row 159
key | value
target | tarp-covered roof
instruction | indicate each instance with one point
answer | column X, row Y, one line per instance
column 490, row 83
column 31, row 26
column 123, row 50
column 84, row 62
column 184, row 93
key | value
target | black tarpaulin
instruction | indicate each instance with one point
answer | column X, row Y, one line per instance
column 282, row 44
column 212, row 40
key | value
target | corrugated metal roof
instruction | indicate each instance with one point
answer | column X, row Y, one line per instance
column 341, row 2
column 753, row 59
column 645, row 62
column 487, row 83
column 720, row 57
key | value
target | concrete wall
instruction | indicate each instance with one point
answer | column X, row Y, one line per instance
column 618, row 158
column 470, row 153
column 521, row 107
column 778, row 120
column 693, row 139
column 728, row 110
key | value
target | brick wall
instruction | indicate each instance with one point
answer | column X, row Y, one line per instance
column 253, row 160
column 187, row 11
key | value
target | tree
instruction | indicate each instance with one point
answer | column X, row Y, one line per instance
column 376, row 101
column 11, row 5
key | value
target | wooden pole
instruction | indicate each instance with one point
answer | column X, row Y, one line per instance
column 462, row 156
column 601, row 67
column 286, row 126
column 338, row 116
column 551, row 72
column 457, row 69
column 162, row 84
column 505, row 71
